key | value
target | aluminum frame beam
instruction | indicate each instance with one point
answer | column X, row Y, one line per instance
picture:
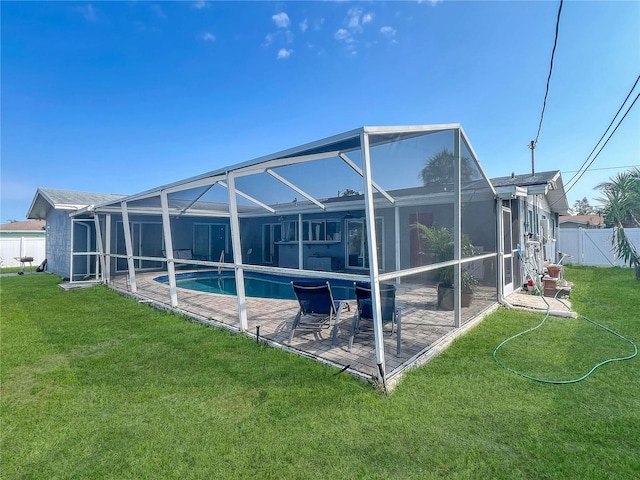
column 248, row 197
column 168, row 245
column 295, row 188
column 359, row 171
column 237, row 252
column 126, row 226
column 373, row 256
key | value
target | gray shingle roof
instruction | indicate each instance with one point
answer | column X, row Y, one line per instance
column 48, row 198
column 525, row 180
column 69, row 197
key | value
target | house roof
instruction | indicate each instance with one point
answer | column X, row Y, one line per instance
column 25, row 226
column 47, row 198
column 526, row 180
column 545, row 183
column 582, row 219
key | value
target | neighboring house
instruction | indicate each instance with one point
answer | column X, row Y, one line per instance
column 532, row 205
column 22, row 239
column 55, row 207
column 581, row 221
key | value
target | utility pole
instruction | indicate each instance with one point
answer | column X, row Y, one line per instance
column 532, row 146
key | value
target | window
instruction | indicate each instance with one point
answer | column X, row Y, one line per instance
column 357, row 246
column 321, row 231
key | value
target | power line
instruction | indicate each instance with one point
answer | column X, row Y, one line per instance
column 603, row 145
column 605, row 132
column 602, row 168
column 546, row 93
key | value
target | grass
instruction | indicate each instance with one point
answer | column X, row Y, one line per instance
column 16, row 269
column 95, row 385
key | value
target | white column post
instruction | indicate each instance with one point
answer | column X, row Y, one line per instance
column 129, row 246
column 500, row 236
column 370, row 219
column 300, row 244
column 396, row 218
column 457, row 230
column 237, row 251
column 168, row 245
column 96, row 221
column 107, row 247
column 71, row 251
column 88, row 249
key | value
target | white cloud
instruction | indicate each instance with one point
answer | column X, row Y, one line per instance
column 388, row 31
column 342, row 34
column 281, row 20
column 284, row 53
column 304, row 25
column 354, row 18
column 317, row 25
column 268, row 39
column 368, row 17
column 208, row 37
column 199, row 5
column 88, row 12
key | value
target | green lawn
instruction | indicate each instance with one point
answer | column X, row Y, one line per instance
column 95, row 385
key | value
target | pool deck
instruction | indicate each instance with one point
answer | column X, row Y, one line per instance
column 426, row 330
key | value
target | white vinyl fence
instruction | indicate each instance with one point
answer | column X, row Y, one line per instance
column 592, row 246
column 13, row 248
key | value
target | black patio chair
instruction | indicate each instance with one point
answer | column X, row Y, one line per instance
column 363, row 318
column 318, row 310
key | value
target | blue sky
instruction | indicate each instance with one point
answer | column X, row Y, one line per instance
column 119, row 97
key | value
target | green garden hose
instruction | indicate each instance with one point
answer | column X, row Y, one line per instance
column 575, row 380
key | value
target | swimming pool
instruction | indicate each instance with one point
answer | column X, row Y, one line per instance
column 260, row 285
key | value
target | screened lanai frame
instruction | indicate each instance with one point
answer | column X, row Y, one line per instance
column 162, row 202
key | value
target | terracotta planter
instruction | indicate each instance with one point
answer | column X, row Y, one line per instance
column 554, row 270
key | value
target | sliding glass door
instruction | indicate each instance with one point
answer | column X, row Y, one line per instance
column 357, row 246
column 147, row 241
column 210, row 240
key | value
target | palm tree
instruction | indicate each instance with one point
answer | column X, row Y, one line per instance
column 439, row 169
column 622, row 210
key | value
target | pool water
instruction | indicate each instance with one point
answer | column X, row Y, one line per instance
column 260, row 285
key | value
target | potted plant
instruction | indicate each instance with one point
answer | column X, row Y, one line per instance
column 438, row 242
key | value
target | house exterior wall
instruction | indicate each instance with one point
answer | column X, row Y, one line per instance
column 58, row 234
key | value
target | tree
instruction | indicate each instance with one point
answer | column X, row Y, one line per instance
column 622, row 210
column 582, row 207
column 348, row 193
column 439, row 169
